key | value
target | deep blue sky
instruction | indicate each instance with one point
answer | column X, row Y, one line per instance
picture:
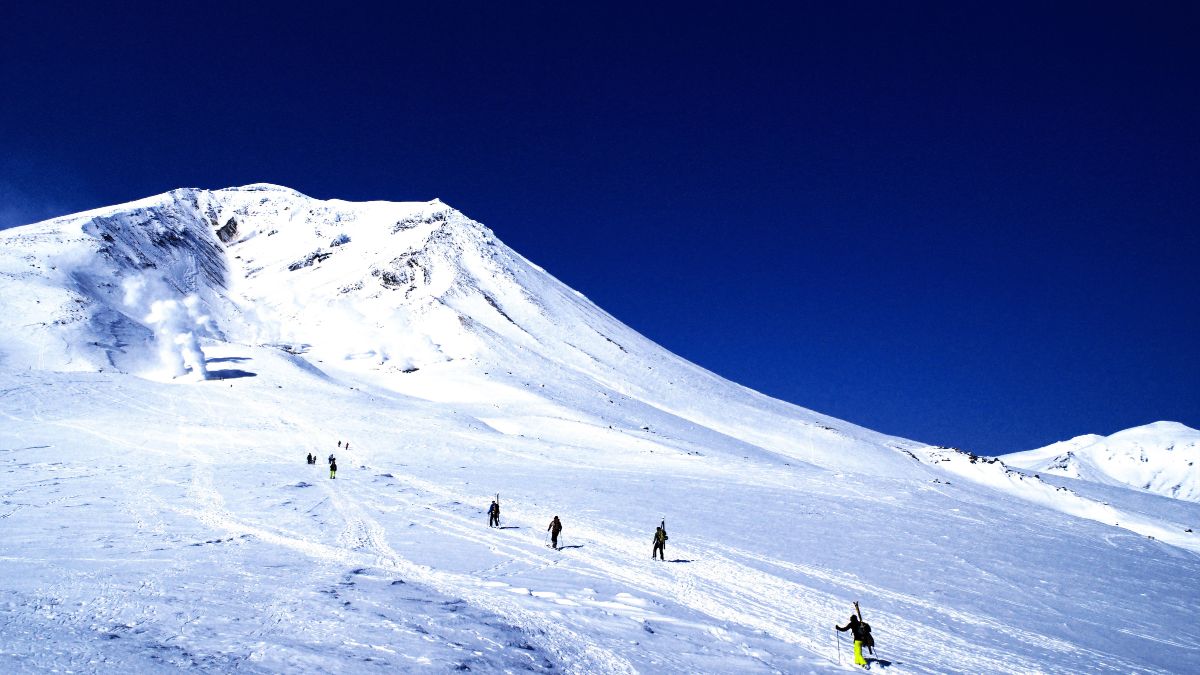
column 965, row 223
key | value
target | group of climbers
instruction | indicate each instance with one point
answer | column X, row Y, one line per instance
column 859, row 629
column 555, row 529
column 312, row 459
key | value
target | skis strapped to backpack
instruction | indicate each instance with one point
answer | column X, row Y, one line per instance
column 868, row 641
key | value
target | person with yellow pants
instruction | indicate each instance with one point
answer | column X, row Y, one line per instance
column 860, row 631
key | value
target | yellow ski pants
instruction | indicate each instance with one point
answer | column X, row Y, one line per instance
column 858, row 657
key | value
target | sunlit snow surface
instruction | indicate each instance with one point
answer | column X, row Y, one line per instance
column 1163, row 458
column 153, row 522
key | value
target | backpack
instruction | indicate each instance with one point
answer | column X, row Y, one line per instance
column 867, row 640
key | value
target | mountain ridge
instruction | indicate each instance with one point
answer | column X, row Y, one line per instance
column 1161, row 457
column 423, row 288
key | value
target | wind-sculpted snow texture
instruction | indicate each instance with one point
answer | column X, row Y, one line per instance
column 155, row 520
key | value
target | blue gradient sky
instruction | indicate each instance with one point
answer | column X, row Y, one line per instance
column 972, row 225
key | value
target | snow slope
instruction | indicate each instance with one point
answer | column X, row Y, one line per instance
column 165, row 365
column 412, row 296
column 1163, row 458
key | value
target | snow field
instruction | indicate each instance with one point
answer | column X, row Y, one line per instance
column 154, row 522
column 208, row 542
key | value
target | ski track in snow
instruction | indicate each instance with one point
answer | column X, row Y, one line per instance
column 731, row 593
column 722, row 586
column 720, row 589
column 363, row 542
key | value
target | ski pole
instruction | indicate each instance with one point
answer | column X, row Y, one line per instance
column 838, row 637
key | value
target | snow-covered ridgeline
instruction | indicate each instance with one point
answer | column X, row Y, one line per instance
column 996, row 474
column 1163, row 458
column 402, row 294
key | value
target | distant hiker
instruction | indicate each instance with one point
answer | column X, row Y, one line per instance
column 347, row 445
column 333, row 469
column 554, row 529
column 660, row 543
column 332, row 459
column 308, row 459
column 494, row 514
column 339, row 444
column 862, row 633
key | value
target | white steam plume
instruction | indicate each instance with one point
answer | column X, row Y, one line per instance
column 177, row 324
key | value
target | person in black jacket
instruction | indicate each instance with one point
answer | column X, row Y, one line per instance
column 333, row 469
column 554, row 529
column 494, row 514
column 860, row 632
column 660, row 542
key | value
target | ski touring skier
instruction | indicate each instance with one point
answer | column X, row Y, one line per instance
column 308, row 459
column 660, row 542
column 861, row 631
column 333, row 468
column 554, row 529
column 494, row 514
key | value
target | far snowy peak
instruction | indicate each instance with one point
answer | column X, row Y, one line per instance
column 1162, row 457
column 263, row 187
column 1158, row 430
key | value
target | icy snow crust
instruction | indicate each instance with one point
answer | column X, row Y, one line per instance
column 166, row 364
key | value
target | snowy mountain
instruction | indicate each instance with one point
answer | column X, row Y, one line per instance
column 1163, row 458
column 414, row 297
column 166, row 365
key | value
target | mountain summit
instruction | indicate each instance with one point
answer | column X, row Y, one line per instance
column 1163, row 458
column 412, row 297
